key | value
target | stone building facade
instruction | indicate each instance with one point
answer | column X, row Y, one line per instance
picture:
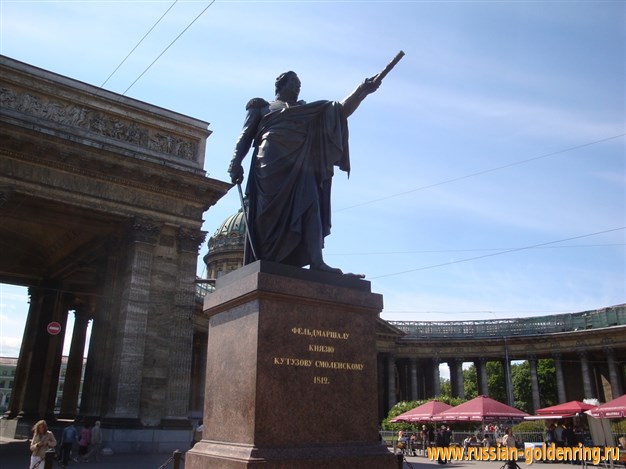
column 101, row 201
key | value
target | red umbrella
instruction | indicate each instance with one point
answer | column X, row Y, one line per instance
column 479, row 409
column 565, row 409
column 614, row 409
column 422, row 413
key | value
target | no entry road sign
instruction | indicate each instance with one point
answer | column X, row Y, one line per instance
column 54, row 328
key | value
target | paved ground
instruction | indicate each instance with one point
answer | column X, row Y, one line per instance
column 14, row 454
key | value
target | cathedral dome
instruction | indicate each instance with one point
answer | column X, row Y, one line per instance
column 226, row 246
column 230, row 235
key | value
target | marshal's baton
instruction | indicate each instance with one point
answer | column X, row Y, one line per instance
column 379, row 77
column 245, row 221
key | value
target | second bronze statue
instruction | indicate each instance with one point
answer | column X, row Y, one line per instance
column 296, row 147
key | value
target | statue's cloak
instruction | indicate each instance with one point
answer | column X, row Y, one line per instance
column 296, row 149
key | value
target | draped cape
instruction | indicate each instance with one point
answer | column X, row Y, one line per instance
column 296, row 149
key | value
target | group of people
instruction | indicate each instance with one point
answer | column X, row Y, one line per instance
column 442, row 437
column 409, row 444
column 562, row 434
column 87, row 441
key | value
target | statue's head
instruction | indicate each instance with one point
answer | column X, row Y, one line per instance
column 285, row 79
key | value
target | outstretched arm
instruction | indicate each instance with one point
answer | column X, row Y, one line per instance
column 367, row 87
column 352, row 102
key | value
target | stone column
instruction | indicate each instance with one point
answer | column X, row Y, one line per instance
column 534, row 383
column 481, row 376
column 130, row 329
column 37, row 372
column 391, row 381
column 32, row 334
column 181, row 333
column 456, row 378
column 198, row 373
column 413, row 373
column 584, row 369
column 102, row 342
column 560, row 379
column 508, row 385
column 55, row 352
column 74, row 370
column 436, row 378
column 616, row 383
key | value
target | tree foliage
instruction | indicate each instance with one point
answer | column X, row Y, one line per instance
column 405, row 406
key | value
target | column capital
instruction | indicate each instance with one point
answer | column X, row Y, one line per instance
column 144, row 230
column 190, row 240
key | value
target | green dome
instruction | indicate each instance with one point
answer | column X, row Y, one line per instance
column 230, row 234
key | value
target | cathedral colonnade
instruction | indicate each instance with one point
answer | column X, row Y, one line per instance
column 588, row 350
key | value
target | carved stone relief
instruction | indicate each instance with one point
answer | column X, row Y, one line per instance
column 98, row 122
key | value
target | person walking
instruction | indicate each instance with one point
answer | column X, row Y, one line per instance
column 83, row 443
column 510, row 442
column 43, row 439
column 68, row 438
column 96, row 443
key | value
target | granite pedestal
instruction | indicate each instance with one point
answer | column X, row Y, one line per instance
column 291, row 372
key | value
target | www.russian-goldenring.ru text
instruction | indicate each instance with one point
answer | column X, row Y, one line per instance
column 530, row 454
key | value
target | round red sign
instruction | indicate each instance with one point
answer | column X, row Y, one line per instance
column 54, row 328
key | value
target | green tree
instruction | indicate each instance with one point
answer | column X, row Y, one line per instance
column 522, row 389
column 495, row 381
column 445, row 388
column 546, row 374
column 405, row 406
column 470, row 383
column 522, row 385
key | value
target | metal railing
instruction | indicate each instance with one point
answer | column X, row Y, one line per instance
column 518, row 327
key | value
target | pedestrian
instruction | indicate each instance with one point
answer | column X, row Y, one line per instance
column 424, row 435
column 413, row 443
column 43, row 439
column 96, row 443
column 197, row 434
column 83, row 442
column 442, row 440
column 68, row 438
column 510, row 443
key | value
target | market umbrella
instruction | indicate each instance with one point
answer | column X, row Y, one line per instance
column 479, row 409
column 566, row 409
column 614, row 409
column 422, row 413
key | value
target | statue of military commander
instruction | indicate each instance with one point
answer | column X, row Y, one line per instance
column 296, row 147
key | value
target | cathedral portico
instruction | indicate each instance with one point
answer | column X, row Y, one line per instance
column 102, row 199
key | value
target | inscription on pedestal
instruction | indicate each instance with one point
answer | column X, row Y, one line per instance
column 319, row 357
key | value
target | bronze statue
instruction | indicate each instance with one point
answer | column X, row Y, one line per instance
column 296, row 146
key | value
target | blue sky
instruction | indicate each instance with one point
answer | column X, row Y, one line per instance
column 488, row 171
